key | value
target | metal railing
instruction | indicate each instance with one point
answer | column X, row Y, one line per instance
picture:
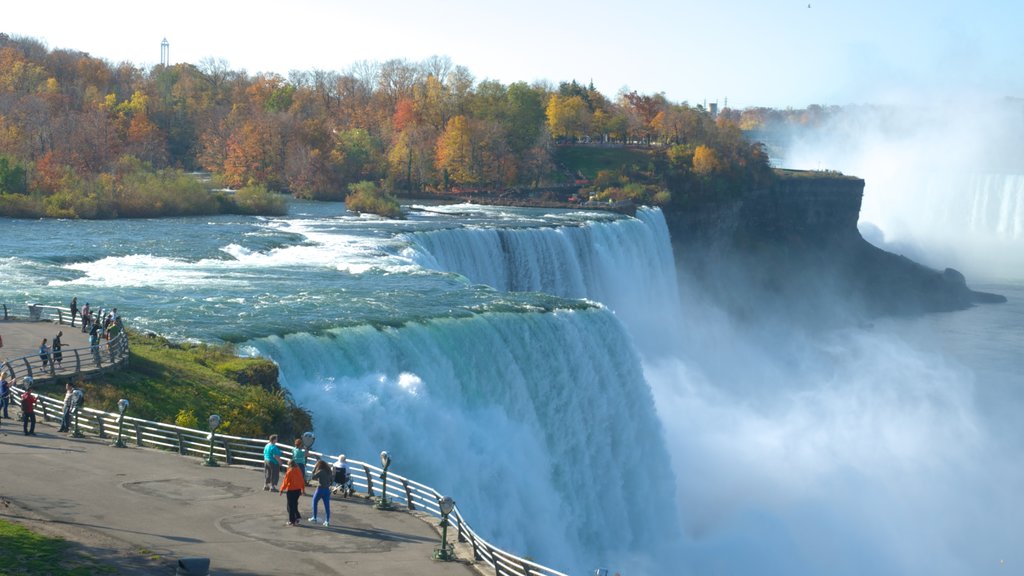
column 237, row 450
column 74, row 361
column 105, row 355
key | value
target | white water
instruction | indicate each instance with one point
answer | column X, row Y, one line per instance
column 626, row 264
column 540, row 425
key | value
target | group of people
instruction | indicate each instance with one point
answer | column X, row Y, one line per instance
column 100, row 325
column 28, row 403
column 104, row 324
column 326, row 478
column 29, row 399
column 52, row 353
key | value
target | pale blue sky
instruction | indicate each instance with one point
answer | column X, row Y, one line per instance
column 772, row 52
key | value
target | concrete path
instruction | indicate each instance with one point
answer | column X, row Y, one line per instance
column 143, row 509
column 22, row 338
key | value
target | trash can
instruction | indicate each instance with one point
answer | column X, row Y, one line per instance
column 35, row 312
column 193, row 567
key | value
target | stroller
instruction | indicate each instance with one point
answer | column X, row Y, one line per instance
column 342, row 479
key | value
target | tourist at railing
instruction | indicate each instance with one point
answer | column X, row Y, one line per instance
column 299, row 454
column 65, row 420
column 271, row 464
column 94, row 342
column 293, row 486
column 322, row 477
column 5, row 395
column 86, row 318
column 28, row 408
column 44, row 354
column 58, row 356
column 342, row 477
column 74, row 309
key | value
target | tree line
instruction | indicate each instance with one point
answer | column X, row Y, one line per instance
column 82, row 137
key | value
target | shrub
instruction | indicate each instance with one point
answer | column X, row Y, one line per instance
column 366, row 197
column 257, row 200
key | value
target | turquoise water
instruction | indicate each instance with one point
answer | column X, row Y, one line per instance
column 583, row 406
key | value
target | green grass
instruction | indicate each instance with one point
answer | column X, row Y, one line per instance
column 590, row 160
column 25, row 552
column 185, row 383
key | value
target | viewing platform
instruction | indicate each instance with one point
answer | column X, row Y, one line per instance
column 23, row 334
column 141, row 510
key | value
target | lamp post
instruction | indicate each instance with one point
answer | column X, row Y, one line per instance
column 382, row 502
column 77, row 398
column 214, row 424
column 445, row 552
column 122, row 406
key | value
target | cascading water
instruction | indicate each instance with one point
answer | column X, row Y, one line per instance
column 971, row 221
column 541, row 424
column 538, row 424
column 626, row 264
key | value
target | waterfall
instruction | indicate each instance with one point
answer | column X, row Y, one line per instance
column 626, row 264
column 540, row 425
column 971, row 221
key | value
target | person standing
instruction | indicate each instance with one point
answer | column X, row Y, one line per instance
column 65, row 420
column 322, row 477
column 293, row 486
column 74, row 309
column 86, row 318
column 44, row 354
column 28, row 409
column 5, row 395
column 299, row 455
column 271, row 464
column 58, row 356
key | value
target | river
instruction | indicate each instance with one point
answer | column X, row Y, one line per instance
column 550, row 371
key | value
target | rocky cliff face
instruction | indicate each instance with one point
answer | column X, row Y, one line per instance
column 795, row 249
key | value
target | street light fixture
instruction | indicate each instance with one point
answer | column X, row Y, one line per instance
column 382, row 502
column 445, row 552
column 122, row 406
column 214, row 424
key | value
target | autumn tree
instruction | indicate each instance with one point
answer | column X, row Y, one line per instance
column 567, row 117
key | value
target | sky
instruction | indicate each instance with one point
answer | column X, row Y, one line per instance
column 740, row 53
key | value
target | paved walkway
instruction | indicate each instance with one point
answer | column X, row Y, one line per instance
column 143, row 509
column 22, row 338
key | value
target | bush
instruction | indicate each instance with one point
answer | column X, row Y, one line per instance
column 256, row 200
column 366, row 197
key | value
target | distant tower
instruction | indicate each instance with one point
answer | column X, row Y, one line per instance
column 165, row 53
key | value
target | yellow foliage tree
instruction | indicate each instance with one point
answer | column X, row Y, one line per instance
column 705, row 161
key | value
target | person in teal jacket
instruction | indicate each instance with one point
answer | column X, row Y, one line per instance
column 271, row 464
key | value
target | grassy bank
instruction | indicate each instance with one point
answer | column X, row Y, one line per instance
column 185, row 383
column 25, row 552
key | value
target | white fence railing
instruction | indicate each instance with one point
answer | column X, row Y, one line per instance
column 235, row 450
